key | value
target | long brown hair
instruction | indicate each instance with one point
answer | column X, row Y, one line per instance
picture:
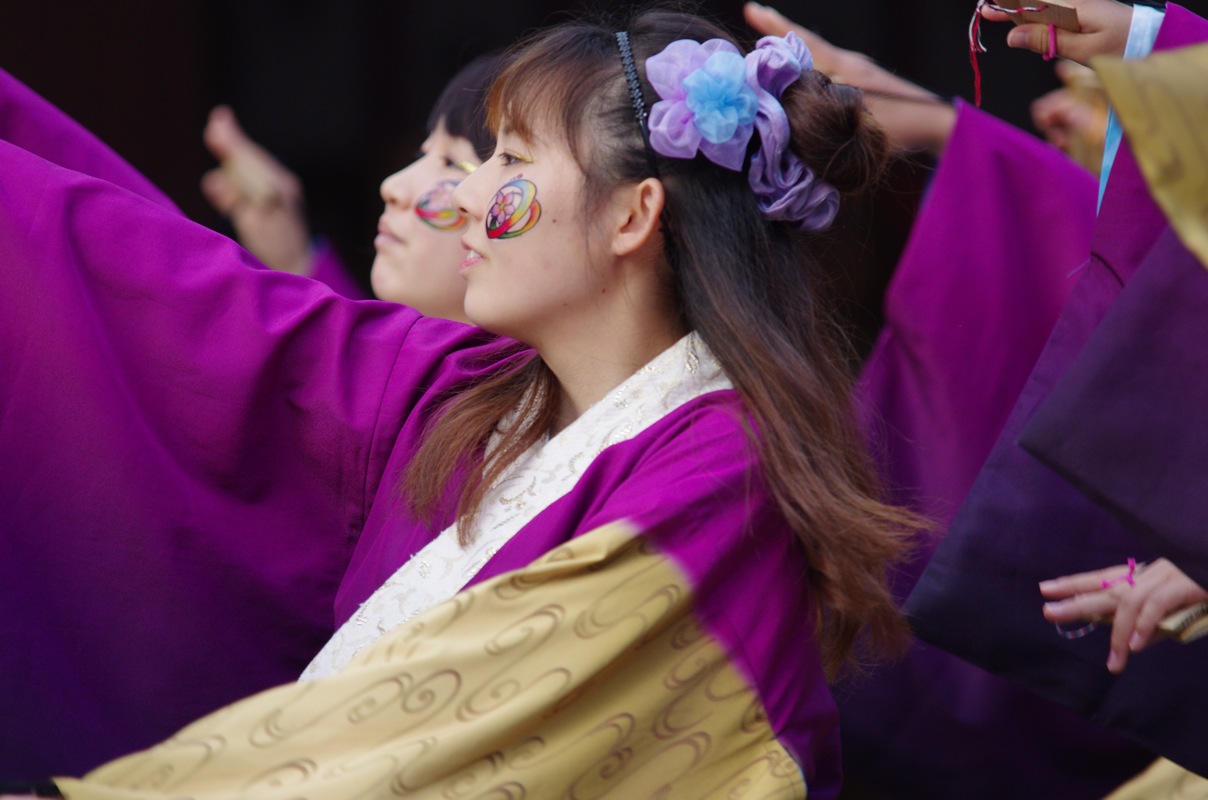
column 742, row 282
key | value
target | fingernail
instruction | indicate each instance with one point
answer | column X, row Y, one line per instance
column 1046, row 585
column 1113, row 661
column 1017, row 39
column 1134, row 642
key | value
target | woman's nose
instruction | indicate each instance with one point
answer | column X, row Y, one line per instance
column 464, row 193
column 396, row 190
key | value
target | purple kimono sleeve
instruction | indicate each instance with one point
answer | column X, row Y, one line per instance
column 32, row 123
column 999, row 240
column 190, row 450
column 1021, row 523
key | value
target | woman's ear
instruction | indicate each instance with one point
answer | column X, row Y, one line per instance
column 639, row 209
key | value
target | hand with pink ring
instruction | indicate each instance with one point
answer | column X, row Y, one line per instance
column 1104, row 31
column 1134, row 606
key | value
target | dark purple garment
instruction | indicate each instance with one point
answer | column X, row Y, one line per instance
column 1128, row 422
column 970, row 307
column 1021, row 523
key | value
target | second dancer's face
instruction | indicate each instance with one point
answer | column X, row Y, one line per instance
column 418, row 242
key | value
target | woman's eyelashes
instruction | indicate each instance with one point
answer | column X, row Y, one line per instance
column 511, row 159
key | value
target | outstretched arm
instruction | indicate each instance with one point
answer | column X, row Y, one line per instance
column 261, row 197
column 912, row 117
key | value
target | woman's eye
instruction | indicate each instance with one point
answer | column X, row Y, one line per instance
column 508, row 159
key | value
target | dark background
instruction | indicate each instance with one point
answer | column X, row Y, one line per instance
column 340, row 90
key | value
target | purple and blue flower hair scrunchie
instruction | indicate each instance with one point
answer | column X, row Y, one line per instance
column 713, row 100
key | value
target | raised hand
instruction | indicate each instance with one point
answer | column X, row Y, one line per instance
column 913, row 118
column 261, row 197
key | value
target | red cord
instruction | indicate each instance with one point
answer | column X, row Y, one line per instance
column 975, row 47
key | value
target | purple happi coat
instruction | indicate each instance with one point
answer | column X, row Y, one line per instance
column 200, row 468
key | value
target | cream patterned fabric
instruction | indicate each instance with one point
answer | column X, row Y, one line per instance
column 582, row 675
column 1164, row 780
column 539, row 477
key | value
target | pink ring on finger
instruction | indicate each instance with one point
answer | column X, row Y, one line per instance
column 1129, row 578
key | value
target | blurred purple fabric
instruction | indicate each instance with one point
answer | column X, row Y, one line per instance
column 1021, row 523
column 1126, row 424
column 1000, row 240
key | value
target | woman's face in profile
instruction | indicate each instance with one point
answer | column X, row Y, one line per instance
column 419, row 232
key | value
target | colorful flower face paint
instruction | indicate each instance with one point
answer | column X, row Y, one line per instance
column 435, row 207
column 514, row 209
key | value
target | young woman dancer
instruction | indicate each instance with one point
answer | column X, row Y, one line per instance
column 637, row 485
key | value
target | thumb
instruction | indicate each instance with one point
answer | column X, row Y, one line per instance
column 222, row 135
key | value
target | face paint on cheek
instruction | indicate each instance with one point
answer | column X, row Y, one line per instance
column 514, row 209
column 435, row 207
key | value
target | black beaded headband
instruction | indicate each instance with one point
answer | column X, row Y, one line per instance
column 635, row 95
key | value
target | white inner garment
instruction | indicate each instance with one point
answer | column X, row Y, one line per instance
column 543, row 474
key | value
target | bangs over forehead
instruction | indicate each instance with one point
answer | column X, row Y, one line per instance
column 553, row 82
column 461, row 107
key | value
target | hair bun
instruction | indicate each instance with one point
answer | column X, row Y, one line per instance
column 834, row 133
